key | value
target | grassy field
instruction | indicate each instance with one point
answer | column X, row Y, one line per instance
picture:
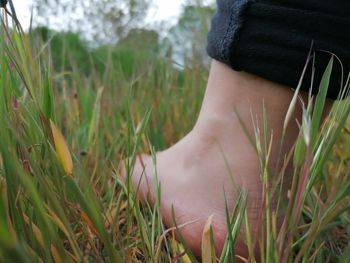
column 64, row 133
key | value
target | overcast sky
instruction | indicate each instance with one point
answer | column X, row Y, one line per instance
column 161, row 10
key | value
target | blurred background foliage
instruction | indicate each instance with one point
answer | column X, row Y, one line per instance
column 102, row 21
column 95, row 30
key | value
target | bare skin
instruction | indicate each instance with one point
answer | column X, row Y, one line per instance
column 193, row 172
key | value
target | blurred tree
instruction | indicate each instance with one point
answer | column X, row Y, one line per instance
column 189, row 36
column 133, row 53
column 141, row 39
column 103, row 21
column 67, row 49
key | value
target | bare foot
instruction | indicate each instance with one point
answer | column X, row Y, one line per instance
column 216, row 156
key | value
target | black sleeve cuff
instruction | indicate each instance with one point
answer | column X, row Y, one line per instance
column 272, row 39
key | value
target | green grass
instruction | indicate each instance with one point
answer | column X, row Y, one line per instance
column 51, row 214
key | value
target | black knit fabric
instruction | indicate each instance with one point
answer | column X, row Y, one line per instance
column 272, row 38
column 3, row 3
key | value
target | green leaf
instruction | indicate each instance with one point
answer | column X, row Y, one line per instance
column 95, row 119
column 345, row 257
column 48, row 100
column 299, row 152
column 320, row 102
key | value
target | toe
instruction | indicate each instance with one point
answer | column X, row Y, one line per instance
column 140, row 176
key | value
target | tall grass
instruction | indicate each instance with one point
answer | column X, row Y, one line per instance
column 63, row 135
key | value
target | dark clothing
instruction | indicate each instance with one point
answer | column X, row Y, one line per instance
column 272, row 38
